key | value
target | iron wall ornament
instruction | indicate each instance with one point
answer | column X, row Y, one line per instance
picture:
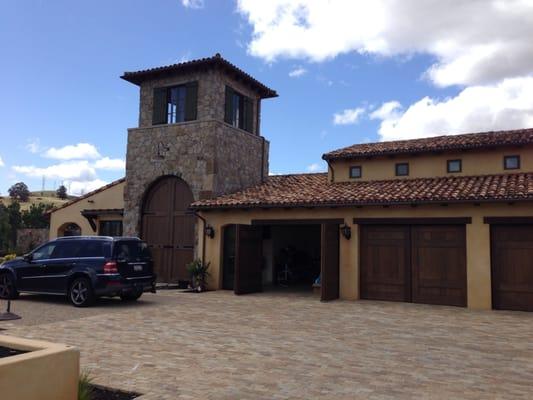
column 346, row 231
column 210, row 231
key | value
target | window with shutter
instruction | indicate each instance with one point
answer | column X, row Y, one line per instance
column 160, row 106
column 239, row 110
column 191, row 101
column 175, row 104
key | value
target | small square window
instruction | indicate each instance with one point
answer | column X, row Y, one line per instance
column 355, row 172
column 402, row 169
column 511, row 162
column 454, row 166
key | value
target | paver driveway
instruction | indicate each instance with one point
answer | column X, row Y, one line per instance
column 272, row 346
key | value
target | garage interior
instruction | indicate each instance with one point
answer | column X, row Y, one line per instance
column 286, row 257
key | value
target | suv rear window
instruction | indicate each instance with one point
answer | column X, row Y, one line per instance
column 132, row 250
column 94, row 248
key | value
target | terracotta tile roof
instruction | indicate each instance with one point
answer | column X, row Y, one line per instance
column 434, row 144
column 100, row 189
column 137, row 77
column 314, row 190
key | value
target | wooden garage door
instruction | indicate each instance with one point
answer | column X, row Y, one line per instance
column 438, row 260
column 418, row 263
column 512, row 267
column 168, row 228
column 384, row 263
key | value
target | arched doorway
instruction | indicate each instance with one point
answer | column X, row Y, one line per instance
column 168, row 228
column 69, row 229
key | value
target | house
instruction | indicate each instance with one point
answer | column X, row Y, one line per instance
column 95, row 213
column 442, row 220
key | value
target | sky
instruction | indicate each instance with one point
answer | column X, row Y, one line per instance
column 346, row 72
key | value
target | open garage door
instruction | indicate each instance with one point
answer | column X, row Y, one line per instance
column 248, row 259
column 512, row 267
column 329, row 262
column 414, row 263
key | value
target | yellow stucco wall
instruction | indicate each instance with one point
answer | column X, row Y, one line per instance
column 477, row 236
column 432, row 165
column 112, row 197
column 49, row 371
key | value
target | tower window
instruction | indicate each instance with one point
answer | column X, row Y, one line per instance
column 238, row 110
column 511, row 162
column 402, row 169
column 175, row 104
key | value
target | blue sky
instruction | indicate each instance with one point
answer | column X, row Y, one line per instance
column 61, row 62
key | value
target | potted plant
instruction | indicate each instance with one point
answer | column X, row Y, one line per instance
column 199, row 272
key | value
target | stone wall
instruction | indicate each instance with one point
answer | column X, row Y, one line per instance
column 30, row 238
column 211, row 95
column 211, row 156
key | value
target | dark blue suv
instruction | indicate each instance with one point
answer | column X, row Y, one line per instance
column 82, row 268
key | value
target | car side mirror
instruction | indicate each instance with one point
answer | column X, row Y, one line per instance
column 28, row 257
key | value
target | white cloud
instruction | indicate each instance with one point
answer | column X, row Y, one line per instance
column 505, row 105
column 348, row 116
column 78, row 188
column 474, row 42
column 316, row 167
column 33, row 145
column 193, row 3
column 76, row 170
column 2, row 162
column 73, row 152
column 110, row 164
column 297, row 72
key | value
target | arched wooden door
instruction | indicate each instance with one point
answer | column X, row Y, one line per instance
column 168, row 228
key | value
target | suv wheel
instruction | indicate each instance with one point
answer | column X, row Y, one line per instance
column 131, row 296
column 8, row 291
column 81, row 292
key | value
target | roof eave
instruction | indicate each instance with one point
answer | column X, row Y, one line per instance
column 358, row 204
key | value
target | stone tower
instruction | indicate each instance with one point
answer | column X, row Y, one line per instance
column 199, row 124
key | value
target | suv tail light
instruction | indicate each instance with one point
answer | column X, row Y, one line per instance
column 110, row 268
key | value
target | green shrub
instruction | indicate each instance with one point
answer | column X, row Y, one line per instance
column 8, row 257
column 85, row 390
column 199, row 273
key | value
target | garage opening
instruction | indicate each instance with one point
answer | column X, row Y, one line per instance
column 291, row 257
column 419, row 263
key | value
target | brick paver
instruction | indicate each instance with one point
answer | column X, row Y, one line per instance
column 217, row 345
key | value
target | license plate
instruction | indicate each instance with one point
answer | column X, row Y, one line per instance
column 137, row 268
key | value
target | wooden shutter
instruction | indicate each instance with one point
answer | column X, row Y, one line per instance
column 191, row 101
column 159, row 115
column 248, row 259
column 248, row 114
column 228, row 115
column 329, row 260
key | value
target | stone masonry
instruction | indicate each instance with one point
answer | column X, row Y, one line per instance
column 212, row 156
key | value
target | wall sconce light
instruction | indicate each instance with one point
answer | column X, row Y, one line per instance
column 210, row 231
column 346, row 231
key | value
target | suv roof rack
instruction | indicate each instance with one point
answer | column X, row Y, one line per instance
column 114, row 238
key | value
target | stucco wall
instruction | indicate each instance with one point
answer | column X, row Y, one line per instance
column 477, row 236
column 112, row 197
column 432, row 165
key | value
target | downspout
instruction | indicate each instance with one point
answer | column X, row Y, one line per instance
column 330, row 166
column 204, row 224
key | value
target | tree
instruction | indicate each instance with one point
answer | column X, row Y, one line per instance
column 5, row 230
column 61, row 192
column 19, row 191
column 15, row 222
column 36, row 216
